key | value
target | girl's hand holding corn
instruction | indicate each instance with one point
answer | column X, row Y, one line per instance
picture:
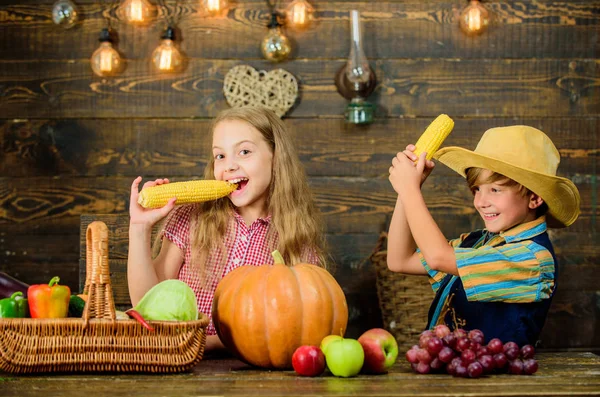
column 143, row 216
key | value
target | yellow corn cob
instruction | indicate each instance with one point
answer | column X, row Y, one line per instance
column 186, row 192
column 434, row 135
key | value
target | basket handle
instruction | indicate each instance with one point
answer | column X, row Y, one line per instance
column 100, row 302
column 380, row 242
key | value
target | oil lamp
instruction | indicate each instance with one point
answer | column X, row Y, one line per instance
column 356, row 80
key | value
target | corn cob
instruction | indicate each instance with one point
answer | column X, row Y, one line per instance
column 434, row 135
column 186, row 192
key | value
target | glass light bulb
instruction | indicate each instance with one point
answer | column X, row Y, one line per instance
column 276, row 46
column 106, row 61
column 215, row 7
column 137, row 12
column 475, row 18
column 166, row 57
column 64, row 13
column 358, row 70
column 300, row 13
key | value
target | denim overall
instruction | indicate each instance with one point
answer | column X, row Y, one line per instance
column 517, row 322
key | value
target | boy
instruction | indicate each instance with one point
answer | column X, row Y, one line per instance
column 500, row 279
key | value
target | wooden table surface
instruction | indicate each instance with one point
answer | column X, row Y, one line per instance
column 559, row 374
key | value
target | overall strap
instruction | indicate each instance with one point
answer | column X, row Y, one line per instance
column 520, row 322
column 447, row 282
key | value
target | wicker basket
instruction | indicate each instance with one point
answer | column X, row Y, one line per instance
column 404, row 299
column 98, row 342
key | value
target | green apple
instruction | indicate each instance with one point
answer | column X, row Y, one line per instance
column 344, row 357
column 327, row 340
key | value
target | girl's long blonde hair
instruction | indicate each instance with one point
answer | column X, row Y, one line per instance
column 295, row 217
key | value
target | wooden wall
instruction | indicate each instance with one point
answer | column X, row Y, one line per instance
column 72, row 142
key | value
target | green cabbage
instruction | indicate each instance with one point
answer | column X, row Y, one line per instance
column 169, row 300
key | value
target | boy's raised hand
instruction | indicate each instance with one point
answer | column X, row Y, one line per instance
column 406, row 173
column 146, row 216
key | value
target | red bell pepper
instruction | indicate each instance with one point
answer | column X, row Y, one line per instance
column 49, row 300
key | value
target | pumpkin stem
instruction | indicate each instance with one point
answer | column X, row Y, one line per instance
column 278, row 257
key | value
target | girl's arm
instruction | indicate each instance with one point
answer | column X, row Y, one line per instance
column 142, row 272
column 421, row 226
column 213, row 343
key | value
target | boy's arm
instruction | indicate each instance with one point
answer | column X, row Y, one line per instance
column 401, row 249
column 438, row 254
column 423, row 229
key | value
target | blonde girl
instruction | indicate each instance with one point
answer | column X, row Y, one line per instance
column 272, row 208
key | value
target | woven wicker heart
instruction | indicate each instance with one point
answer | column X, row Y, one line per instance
column 246, row 86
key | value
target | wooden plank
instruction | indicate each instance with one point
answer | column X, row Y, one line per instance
column 578, row 310
column 559, row 374
column 349, row 205
column 574, row 250
column 59, row 255
column 326, row 146
column 392, row 29
column 408, row 88
column 33, row 258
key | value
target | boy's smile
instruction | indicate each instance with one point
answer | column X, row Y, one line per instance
column 502, row 206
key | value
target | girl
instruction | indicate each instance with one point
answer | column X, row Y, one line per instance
column 272, row 208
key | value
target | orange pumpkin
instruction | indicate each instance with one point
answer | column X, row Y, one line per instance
column 264, row 313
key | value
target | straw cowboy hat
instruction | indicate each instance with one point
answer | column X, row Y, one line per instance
column 527, row 156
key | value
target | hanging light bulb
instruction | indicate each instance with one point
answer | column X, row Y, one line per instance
column 300, row 14
column 215, row 7
column 65, row 13
column 475, row 18
column 137, row 12
column 275, row 46
column 106, row 61
column 166, row 57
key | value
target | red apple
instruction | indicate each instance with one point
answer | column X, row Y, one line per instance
column 381, row 350
column 308, row 360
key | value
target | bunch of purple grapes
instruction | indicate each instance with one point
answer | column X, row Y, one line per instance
column 464, row 354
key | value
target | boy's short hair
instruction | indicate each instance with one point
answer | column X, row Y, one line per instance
column 473, row 179
column 474, row 174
